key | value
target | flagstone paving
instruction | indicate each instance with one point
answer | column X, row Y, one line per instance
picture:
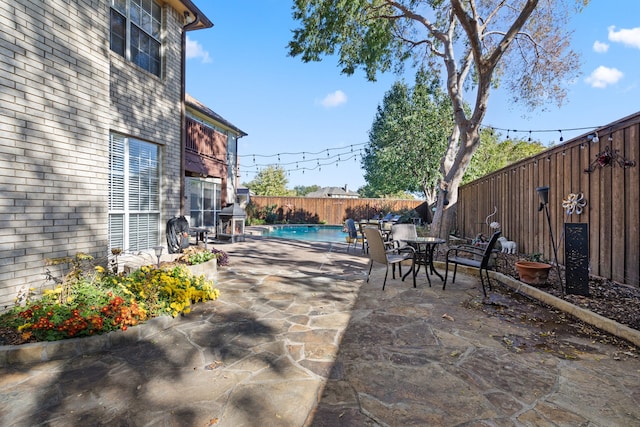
column 298, row 338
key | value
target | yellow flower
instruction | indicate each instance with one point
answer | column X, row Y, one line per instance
column 23, row 327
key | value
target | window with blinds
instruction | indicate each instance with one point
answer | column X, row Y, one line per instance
column 134, row 194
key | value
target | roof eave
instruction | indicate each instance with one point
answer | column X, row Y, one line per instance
column 200, row 20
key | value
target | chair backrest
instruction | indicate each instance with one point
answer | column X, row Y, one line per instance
column 351, row 228
column 377, row 251
column 403, row 232
column 489, row 249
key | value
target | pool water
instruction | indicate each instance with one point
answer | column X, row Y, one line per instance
column 312, row 233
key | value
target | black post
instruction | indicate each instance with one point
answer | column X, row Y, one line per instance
column 543, row 192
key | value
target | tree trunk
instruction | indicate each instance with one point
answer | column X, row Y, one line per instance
column 444, row 218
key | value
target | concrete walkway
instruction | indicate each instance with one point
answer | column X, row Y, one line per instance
column 298, row 338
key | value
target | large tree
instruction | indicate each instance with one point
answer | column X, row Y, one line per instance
column 407, row 138
column 477, row 44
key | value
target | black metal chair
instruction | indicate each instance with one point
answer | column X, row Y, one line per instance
column 471, row 256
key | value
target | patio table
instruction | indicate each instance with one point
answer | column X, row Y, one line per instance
column 425, row 247
column 201, row 233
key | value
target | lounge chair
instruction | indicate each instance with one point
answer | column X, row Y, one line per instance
column 380, row 253
column 471, row 256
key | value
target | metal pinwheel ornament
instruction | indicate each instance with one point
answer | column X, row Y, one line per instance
column 575, row 202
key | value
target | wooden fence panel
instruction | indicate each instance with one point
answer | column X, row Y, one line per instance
column 619, row 197
column 612, row 194
column 632, row 207
column 332, row 210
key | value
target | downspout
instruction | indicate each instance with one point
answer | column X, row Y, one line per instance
column 183, row 109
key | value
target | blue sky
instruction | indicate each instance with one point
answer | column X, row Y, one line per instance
column 240, row 69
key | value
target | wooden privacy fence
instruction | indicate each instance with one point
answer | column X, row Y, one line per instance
column 330, row 210
column 611, row 191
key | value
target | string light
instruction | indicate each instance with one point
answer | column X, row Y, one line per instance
column 532, row 131
column 342, row 153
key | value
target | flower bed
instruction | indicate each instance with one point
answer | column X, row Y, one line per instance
column 98, row 301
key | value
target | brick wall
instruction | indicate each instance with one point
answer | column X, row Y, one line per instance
column 59, row 83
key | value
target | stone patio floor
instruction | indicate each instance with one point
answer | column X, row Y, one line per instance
column 298, row 338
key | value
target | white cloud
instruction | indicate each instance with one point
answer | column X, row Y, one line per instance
column 334, row 99
column 600, row 47
column 195, row 50
column 627, row 36
column 603, row 76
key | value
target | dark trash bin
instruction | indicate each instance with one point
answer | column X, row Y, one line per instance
column 177, row 234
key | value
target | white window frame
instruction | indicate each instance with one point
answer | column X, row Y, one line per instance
column 134, row 194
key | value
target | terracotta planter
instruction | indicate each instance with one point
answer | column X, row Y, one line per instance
column 533, row 273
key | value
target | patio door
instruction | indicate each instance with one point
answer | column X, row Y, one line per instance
column 205, row 198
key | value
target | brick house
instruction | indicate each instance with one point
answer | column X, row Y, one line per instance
column 92, row 126
column 211, row 163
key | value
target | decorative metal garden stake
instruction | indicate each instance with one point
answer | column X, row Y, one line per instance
column 543, row 192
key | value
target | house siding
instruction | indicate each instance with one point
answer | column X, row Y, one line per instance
column 62, row 91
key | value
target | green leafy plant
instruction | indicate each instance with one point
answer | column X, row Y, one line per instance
column 535, row 257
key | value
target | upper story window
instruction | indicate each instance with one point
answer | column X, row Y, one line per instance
column 135, row 32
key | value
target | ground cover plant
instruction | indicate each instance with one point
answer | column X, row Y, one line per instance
column 93, row 300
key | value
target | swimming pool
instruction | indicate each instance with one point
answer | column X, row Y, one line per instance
column 311, row 233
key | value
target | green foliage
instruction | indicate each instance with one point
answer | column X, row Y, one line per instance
column 200, row 257
column 535, row 257
column 494, row 154
column 270, row 181
column 407, row 139
column 351, row 28
column 302, row 190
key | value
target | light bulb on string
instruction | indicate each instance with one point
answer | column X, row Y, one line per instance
column 561, row 138
column 529, row 136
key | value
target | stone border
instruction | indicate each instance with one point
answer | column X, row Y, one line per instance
column 608, row 325
column 45, row 351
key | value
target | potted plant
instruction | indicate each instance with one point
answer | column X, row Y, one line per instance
column 533, row 270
